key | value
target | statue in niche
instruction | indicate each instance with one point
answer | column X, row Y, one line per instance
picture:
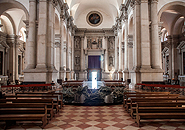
column 99, row 43
column 111, row 44
column 77, row 43
column 88, row 44
column 77, row 60
column 110, row 61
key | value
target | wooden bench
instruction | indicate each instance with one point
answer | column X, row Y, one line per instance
column 127, row 102
column 34, row 96
column 27, row 86
column 137, row 93
column 12, row 112
column 159, row 110
column 60, row 95
column 48, row 102
column 135, row 100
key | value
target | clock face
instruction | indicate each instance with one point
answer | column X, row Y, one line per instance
column 94, row 18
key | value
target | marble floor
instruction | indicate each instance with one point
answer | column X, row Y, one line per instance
column 112, row 117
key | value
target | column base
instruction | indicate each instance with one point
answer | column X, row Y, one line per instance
column 120, row 75
column 126, row 74
column 82, row 75
column 106, row 76
column 62, row 75
column 151, row 75
column 115, row 75
column 40, row 74
column 72, row 75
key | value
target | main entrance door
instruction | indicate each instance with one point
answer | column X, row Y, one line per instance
column 94, row 66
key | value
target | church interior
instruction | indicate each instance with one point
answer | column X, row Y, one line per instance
column 88, row 64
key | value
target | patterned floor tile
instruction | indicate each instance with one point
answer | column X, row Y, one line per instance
column 83, row 126
column 75, row 123
column 93, row 128
column 102, row 125
column 98, row 118
column 112, row 128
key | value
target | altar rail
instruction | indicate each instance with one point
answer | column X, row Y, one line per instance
column 161, row 87
column 28, row 87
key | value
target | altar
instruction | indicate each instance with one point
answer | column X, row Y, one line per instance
column 90, row 94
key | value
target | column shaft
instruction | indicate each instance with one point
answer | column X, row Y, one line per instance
column 116, row 54
column 31, row 45
column 136, row 37
column 120, row 51
column 145, row 41
column 154, row 36
column 126, row 46
column 106, row 54
column 42, row 35
column 82, row 54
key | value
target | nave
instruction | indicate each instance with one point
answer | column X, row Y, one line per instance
column 98, row 118
column 107, row 117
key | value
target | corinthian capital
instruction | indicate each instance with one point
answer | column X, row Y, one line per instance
column 152, row 1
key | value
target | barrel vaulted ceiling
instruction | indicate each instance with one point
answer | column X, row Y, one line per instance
column 80, row 8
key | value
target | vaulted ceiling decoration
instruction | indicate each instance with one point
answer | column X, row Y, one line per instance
column 79, row 9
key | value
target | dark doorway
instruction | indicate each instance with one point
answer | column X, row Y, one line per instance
column 94, row 65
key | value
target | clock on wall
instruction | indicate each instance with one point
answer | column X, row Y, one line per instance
column 94, row 18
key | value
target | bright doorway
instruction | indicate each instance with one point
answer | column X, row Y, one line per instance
column 94, row 80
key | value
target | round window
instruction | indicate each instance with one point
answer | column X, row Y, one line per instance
column 94, row 18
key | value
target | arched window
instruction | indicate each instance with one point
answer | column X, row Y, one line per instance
column 22, row 34
column 1, row 25
column 183, row 27
column 164, row 35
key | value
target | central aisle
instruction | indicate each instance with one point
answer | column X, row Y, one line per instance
column 112, row 117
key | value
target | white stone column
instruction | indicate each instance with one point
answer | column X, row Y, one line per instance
column 82, row 54
column 126, row 72
column 11, row 43
column 42, row 37
column 145, row 41
column 62, row 50
column 120, row 51
column 106, row 53
column 67, row 52
column 170, row 55
column 72, row 58
column 51, row 39
column 16, row 59
column 116, row 53
column 135, row 75
column 155, row 36
column 116, row 57
column 31, row 44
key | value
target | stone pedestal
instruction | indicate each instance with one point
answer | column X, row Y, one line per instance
column 106, row 76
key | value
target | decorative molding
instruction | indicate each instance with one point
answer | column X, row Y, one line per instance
column 57, row 45
column 154, row 1
column 181, row 46
column 165, row 50
column 55, row 3
column 97, row 14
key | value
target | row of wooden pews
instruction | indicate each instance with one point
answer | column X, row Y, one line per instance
column 161, row 87
column 154, row 105
column 30, row 107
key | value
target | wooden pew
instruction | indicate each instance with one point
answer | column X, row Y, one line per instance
column 137, row 93
column 34, row 96
column 135, row 100
column 159, row 110
column 48, row 102
column 60, row 95
column 127, row 102
column 12, row 112
column 27, row 86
